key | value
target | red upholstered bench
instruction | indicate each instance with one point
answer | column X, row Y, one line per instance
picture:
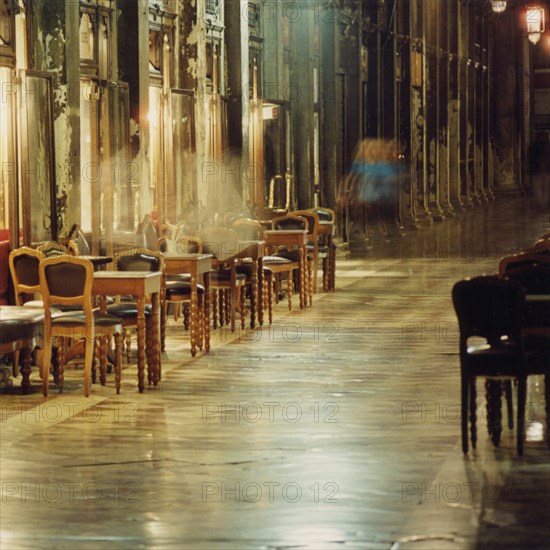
column 4, row 266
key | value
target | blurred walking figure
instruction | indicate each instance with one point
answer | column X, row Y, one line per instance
column 539, row 166
column 373, row 180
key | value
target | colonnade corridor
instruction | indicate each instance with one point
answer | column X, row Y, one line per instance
column 336, row 428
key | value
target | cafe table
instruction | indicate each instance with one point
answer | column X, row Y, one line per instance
column 98, row 261
column 292, row 238
column 195, row 265
column 139, row 284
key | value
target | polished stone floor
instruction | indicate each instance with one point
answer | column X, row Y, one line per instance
column 336, row 428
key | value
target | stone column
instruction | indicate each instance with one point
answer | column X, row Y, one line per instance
column 238, row 80
column 507, row 104
column 133, row 48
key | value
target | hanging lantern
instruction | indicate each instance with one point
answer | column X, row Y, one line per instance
column 498, row 5
column 535, row 23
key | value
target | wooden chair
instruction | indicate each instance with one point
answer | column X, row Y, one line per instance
column 67, row 280
column 535, row 280
column 178, row 287
column 315, row 248
column 51, row 249
column 293, row 222
column 523, row 259
column 24, row 263
column 228, row 286
column 252, row 230
column 491, row 308
column 24, row 268
column 78, row 245
column 137, row 259
column 329, row 264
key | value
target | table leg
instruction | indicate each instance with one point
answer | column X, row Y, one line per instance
column 163, row 307
column 254, row 300
column 332, row 255
column 303, row 277
column 194, row 315
column 118, row 359
column 155, row 340
column 25, row 358
column 141, row 342
column 260, row 291
column 207, row 312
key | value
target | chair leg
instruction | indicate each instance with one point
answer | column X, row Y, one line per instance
column 215, row 309
column 103, row 360
column 315, row 268
column 14, row 369
column 61, row 363
column 522, row 397
column 289, row 290
column 200, row 322
column 270, row 283
column 163, row 313
column 118, row 360
column 149, row 349
column 244, row 311
column 128, row 341
column 494, row 409
column 186, row 316
column 464, row 412
column 547, row 399
column 177, row 310
column 229, row 312
column 88, row 356
column 276, row 286
column 473, row 412
column 509, row 403
column 311, row 281
column 46, row 363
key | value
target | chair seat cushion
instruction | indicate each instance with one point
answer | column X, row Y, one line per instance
column 224, row 275
column 78, row 319
column 128, row 310
column 34, row 303
column 538, row 358
column 500, row 360
column 105, row 320
column 179, row 277
column 246, row 269
column 18, row 323
column 323, row 250
column 275, row 260
column 179, row 288
column 292, row 255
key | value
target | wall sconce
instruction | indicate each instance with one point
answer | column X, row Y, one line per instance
column 535, row 23
column 498, row 5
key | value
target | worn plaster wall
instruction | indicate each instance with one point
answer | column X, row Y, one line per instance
column 54, row 50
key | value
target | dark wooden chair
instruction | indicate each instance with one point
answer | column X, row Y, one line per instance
column 228, row 286
column 291, row 222
column 136, row 259
column 535, row 280
column 492, row 308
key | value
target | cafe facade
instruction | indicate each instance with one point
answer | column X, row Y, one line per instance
column 112, row 110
